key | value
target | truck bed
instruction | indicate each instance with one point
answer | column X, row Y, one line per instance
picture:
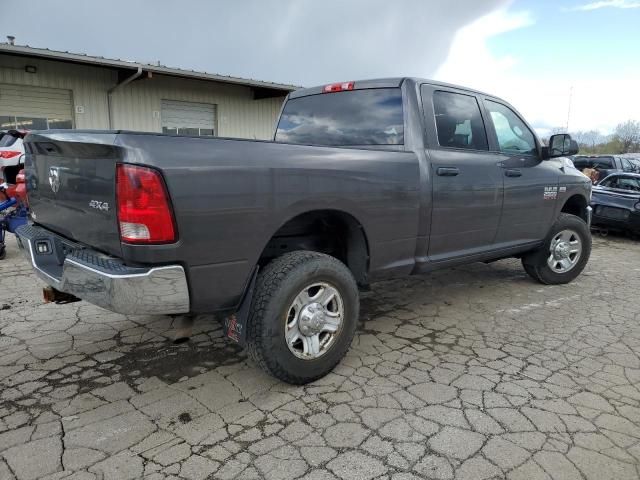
column 229, row 197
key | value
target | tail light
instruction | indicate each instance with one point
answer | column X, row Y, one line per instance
column 338, row 87
column 144, row 211
column 9, row 153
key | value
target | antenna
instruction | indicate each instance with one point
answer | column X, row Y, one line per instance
column 569, row 106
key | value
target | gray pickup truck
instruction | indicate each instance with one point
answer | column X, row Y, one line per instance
column 363, row 181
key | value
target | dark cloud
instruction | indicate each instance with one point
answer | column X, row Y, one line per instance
column 304, row 42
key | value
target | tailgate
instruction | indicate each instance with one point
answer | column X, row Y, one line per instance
column 71, row 185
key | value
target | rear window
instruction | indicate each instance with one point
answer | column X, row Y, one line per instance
column 356, row 117
column 594, row 162
column 7, row 140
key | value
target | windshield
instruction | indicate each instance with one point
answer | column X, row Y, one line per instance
column 356, row 117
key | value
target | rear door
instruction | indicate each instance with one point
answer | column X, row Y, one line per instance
column 467, row 183
column 530, row 184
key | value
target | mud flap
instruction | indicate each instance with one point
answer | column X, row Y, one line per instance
column 235, row 325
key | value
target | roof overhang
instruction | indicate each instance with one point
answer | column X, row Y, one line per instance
column 262, row 89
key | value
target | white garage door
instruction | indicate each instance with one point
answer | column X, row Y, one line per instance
column 34, row 108
column 188, row 118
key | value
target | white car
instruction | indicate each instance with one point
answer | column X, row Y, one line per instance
column 11, row 155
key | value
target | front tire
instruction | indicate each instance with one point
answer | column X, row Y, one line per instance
column 565, row 252
column 303, row 316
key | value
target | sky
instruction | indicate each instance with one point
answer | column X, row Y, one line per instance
column 574, row 62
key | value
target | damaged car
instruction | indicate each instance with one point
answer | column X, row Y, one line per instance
column 616, row 203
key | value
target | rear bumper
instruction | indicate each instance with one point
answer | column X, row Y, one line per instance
column 102, row 280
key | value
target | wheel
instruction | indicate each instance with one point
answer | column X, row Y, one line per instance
column 303, row 316
column 564, row 254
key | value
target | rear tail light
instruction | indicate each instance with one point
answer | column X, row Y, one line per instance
column 9, row 154
column 144, row 211
column 338, row 87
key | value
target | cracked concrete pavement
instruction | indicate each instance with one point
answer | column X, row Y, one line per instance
column 471, row 373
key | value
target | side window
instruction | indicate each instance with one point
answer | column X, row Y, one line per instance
column 626, row 165
column 513, row 135
column 611, row 182
column 459, row 122
column 628, row 183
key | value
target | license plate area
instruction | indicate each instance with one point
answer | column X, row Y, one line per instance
column 49, row 252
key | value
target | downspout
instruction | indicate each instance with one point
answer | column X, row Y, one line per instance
column 126, row 81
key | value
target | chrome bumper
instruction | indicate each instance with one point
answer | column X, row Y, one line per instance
column 105, row 281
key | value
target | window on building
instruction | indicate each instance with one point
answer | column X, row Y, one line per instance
column 188, row 118
column 33, row 123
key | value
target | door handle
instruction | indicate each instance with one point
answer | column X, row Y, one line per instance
column 447, row 171
column 512, row 172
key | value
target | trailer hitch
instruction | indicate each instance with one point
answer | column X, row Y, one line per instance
column 51, row 295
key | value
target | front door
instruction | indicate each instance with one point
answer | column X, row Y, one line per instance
column 530, row 184
column 467, row 183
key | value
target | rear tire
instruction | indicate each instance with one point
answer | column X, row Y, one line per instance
column 565, row 252
column 288, row 310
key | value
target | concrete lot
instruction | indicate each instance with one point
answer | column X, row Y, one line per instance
column 469, row 373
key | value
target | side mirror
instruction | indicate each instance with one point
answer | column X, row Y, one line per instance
column 561, row 145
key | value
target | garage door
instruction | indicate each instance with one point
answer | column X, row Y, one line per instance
column 34, row 108
column 188, row 118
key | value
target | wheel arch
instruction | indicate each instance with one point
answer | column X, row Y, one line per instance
column 576, row 205
column 325, row 230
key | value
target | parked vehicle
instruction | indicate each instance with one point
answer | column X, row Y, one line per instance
column 13, row 209
column 364, row 181
column 599, row 166
column 635, row 161
column 616, row 203
column 11, row 152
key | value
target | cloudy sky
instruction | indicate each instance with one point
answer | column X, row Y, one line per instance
column 537, row 54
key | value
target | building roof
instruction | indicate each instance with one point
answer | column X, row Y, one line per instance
column 81, row 58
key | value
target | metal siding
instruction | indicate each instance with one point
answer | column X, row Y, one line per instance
column 87, row 85
column 238, row 114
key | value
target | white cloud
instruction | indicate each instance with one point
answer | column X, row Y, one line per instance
column 607, row 4
column 599, row 100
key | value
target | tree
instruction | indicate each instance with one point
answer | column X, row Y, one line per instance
column 628, row 134
column 589, row 138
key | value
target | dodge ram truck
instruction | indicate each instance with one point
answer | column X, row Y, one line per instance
column 363, row 181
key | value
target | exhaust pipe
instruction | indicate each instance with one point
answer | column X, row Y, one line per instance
column 51, row 295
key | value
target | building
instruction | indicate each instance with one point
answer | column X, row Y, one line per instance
column 41, row 89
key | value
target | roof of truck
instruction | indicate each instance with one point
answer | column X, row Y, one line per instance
column 391, row 82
